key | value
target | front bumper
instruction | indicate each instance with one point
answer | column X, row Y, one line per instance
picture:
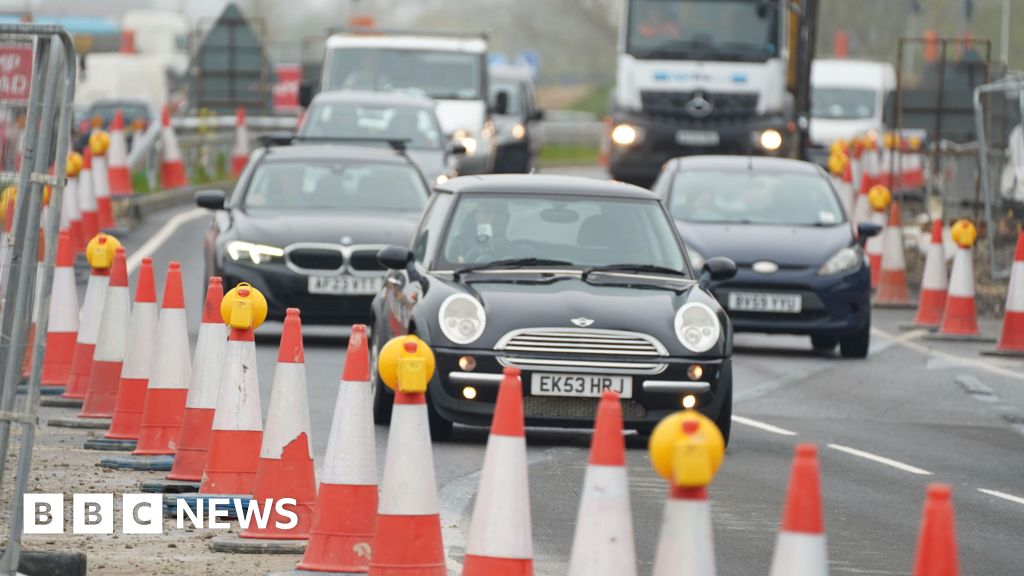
column 654, row 395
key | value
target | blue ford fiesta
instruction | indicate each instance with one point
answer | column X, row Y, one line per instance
column 801, row 265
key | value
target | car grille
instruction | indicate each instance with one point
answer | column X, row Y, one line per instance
column 581, row 341
column 557, row 407
column 365, row 261
column 728, row 108
column 316, row 258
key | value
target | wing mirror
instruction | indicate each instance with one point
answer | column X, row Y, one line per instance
column 456, row 149
column 305, row 93
column 211, row 199
column 500, row 103
column 536, row 115
column 717, row 269
column 866, row 230
column 395, row 257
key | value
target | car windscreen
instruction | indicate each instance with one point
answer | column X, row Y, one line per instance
column 842, row 103
column 704, row 29
column 443, row 75
column 749, row 197
column 514, row 92
column 129, row 111
column 584, row 230
column 295, row 185
column 417, row 126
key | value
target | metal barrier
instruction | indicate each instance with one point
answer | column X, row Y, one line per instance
column 44, row 98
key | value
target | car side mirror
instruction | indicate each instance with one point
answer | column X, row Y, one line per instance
column 866, row 230
column 456, row 149
column 395, row 257
column 305, row 93
column 500, row 103
column 211, row 199
column 718, row 269
column 536, row 115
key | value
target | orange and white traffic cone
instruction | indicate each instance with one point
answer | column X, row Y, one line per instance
column 99, row 142
column 237, row 428
column 892, row 284
column 960, row 318
column 1011, row 341
column 87, row 199
column 603, row 544
column 240, row 152
column 207, row 365
column 100, row 255
column 138, row 357
column 37, row 299
column 346, row 503
column 169, row 376
column 70, row 216
column 500, row 540
column 932, row 300
column 800, row 546
column 108, row 356
column 172, row 166
column 407, row 538
column 117, row 157
column 62, row 325
column 285, row 468
column 937, row 553
column 878, row 199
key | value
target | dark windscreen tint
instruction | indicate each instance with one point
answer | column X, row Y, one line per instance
column 418, row 126
column 704, row 29
column 442, row 75
column 334, row 186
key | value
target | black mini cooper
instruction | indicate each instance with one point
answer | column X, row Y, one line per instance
column 584, row 285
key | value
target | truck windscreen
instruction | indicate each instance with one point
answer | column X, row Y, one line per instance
column 442, row 75
column 730, row 30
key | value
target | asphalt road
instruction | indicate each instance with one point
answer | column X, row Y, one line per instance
column 914, row 412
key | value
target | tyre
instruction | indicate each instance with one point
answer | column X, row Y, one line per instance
column 724, row 420
column 824, row 343
column 383, row 400
column 856, row 345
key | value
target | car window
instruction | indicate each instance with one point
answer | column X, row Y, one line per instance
column 587, row 231
column 349, row 186
column 418, row 126
column 744, row 197
column 443, row 75
column 431, row 225
column 842, row 103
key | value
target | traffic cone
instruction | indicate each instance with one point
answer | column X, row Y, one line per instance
column 346, row 503
column 117, row 155
column 407, row 538
column 62, row 325
column 874, row 247
column 172, row 167
column 603, row 544
column 168, row 379
column 1011, row 342
column 99, row 142
column 933, row 282
column 237, row 427
column 960, row 316
column 892, row 284
column 285, row 467
column 240, row 152
column 936, row 542
column 207, row 365
column 87, row 199
column 26, row 359
column 90, row 315
column 138, row 357
column 500, row 541
column 70, row 216
column 101, row 394
column 800, row 547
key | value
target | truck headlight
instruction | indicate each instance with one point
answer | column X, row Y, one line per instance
column 256, row 253
column 842, row 261
column 625, row 135
column 462, row 318
column 518, row 132
column 697, row 327
column 771, row 140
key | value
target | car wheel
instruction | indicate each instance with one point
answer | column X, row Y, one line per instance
column 856, row 344
column 824, row 343
column 724, row 420
column 382, row 400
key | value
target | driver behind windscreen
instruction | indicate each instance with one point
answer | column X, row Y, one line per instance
column 482, row 234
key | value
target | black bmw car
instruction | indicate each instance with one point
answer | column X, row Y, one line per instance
column 801, row 266
column 305, row 223
column 582, row 284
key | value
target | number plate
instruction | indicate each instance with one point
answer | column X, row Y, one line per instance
column 697, row 138
column 765, row 302
column 579, row 385
column 345, row 285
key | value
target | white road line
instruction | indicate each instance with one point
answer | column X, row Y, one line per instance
column 1003, row 495
column 163, row 235
column 881, row 460
column 763, row 426
column 906, row 342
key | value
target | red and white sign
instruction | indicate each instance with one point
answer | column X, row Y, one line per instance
column 286, row 91
column 15, row 72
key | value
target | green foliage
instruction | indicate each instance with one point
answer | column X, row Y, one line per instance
column 140, row 183
column 594, row 101
column 568, row 155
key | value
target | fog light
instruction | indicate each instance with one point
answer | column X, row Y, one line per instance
column 469, row 393
column 695, row 372
column 689, row 401
column 467, row 363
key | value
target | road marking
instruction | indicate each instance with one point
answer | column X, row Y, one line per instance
column 163, row 235
column 763, row 426
column 907, row 342
column 880, row 459
column 1003, row 495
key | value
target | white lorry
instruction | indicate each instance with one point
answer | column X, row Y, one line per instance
column 849, row 98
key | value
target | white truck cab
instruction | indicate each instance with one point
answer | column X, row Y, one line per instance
column 451, row 70
column 849, row 98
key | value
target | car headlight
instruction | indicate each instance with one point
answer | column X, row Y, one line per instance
column 441, row 179
column 696, row 258
column 625, row 135
column 518, row 132
column 770, row 140
column 467, row 140
column 697, row 327
column 462, row 318
column 256, row 253
column 842, row 261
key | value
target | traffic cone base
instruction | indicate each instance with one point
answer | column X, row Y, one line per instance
column 190, row 457
column 161, row 424
column 290, row 476
column 892, row 288
column 417, row 552
column 81, row 368
column 502, row 566
column 960, row 317
column 931, row 304
column 343, row 525
column 101, row 396
column 131, row 397
column 60, row 349
column 798, row 554
column 1012, row 337
column 231, row 462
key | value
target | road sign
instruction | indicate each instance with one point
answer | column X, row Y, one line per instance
column 286, row 90
column 529, row 59
column 15, row 72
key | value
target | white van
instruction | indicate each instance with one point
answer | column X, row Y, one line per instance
column 848, row 98
column 451, row 70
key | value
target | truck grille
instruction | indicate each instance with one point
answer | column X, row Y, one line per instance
column 316, row 258
column 558, row 407
column 727, row 108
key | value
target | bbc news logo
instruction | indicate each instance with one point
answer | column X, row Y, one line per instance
column 143, row 513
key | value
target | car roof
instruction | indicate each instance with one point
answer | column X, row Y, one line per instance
column 757, row 163
column 407, row 41
column 532, row 183
column 331, row 151
column 378, row 98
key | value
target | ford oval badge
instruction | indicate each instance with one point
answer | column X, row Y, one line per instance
column 765, row 267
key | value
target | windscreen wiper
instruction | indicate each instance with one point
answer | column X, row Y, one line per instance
column 510, row 263
column 634, row 268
